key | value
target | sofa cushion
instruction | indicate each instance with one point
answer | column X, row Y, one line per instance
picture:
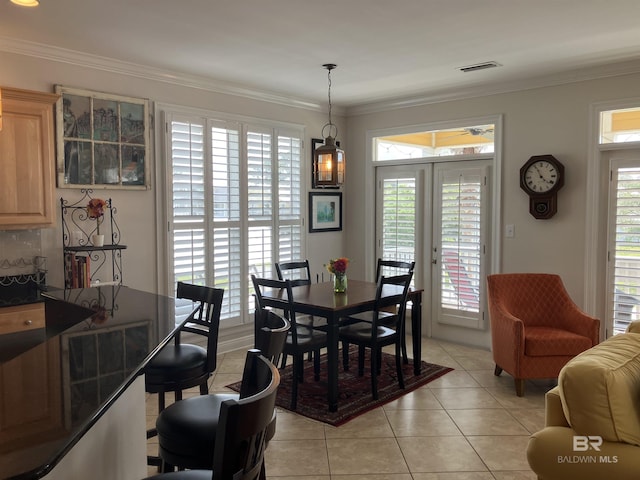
column 600, row 390
column 548, row 341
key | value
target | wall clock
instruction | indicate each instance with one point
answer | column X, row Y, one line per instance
column 541, row 178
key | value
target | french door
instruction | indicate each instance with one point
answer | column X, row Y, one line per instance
column 438, row 215
column 623, row 240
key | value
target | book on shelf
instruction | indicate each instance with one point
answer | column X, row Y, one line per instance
column 77, row 270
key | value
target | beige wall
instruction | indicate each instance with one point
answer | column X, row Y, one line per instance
column 138, row 214
column 553, row 120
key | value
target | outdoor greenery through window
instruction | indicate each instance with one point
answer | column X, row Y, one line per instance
column 236, row 206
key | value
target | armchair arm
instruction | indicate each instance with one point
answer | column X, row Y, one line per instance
column 577, row 321
column 507, row 332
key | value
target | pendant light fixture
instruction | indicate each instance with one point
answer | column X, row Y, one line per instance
column 328, row 159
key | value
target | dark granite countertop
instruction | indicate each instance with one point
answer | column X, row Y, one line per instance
column 95, row 343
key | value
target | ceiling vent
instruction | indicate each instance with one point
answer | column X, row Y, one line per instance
column 479, row 66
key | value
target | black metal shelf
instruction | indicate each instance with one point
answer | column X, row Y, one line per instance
column 84, row 260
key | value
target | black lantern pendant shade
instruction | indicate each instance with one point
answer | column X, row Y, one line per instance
column 329, row 159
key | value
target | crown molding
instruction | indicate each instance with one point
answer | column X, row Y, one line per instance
column 72, row 57
column 461, row 93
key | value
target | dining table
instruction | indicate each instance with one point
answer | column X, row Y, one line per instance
column 320, row 300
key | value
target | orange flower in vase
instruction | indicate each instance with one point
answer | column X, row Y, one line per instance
column 95, row 209
column 338, row 267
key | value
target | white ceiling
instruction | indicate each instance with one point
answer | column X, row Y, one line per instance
column 386, row 50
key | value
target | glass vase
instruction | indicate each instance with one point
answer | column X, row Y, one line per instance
column 340, row 282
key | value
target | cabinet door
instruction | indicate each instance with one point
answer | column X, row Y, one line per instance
column 31, row 402
column 27, row 159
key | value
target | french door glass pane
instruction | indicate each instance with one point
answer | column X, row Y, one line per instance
column 625, row 281
column 399, row 219
column 461, row 203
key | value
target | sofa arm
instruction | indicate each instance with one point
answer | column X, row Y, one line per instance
column 553, row 412
column 552, row 456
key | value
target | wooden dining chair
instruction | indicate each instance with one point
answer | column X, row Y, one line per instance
column 301, row 338
column 299, row 273
column 187, row 429
column 377, row 328
column 391, row 268
column 239, row 441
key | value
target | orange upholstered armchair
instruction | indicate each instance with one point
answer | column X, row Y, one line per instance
column 535, row 326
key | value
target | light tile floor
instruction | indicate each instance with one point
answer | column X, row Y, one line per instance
column 467, row 425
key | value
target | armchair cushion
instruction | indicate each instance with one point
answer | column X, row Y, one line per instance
column 600, row 390
column 547, row 341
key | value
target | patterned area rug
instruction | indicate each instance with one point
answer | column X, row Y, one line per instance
column 354, row 392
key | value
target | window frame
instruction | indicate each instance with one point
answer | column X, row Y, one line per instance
column 241, row 313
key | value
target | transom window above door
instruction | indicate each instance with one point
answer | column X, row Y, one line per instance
column 476, row 139
column 620, row 126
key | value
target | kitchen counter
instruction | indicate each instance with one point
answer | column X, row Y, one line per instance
column 57, row 382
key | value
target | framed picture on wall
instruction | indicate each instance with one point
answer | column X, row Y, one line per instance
column 325, row 212
column 102, row 140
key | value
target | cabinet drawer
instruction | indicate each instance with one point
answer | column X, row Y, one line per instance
column 21, row 317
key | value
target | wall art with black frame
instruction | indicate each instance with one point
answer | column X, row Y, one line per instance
column 325, row 212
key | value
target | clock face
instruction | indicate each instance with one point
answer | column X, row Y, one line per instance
column 541, row 176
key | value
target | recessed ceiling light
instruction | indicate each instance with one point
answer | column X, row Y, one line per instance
column 26, row 3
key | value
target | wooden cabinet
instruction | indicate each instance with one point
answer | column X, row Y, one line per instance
column 27, row 159
column 21, row 317
column 31, row 409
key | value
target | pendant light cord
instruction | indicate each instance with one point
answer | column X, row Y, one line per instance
column 329, row 94
column 329, row 67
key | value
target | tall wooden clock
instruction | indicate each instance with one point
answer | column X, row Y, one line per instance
column 541, row 178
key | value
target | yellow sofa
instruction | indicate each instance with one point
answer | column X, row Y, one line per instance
column 592, row 418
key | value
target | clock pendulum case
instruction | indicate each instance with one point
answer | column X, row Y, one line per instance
column 541, row 178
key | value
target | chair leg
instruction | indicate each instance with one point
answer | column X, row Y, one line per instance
column 316, row 365
column 298, row 367
column 284, row 360
column 345, row 355
column 497, row 371
column 294, row 383
column 166, row 467
column 204, row 388
column 405, row 357
column 399, row 365
column 519, row 386
column 374, row 374
column 379, row 362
